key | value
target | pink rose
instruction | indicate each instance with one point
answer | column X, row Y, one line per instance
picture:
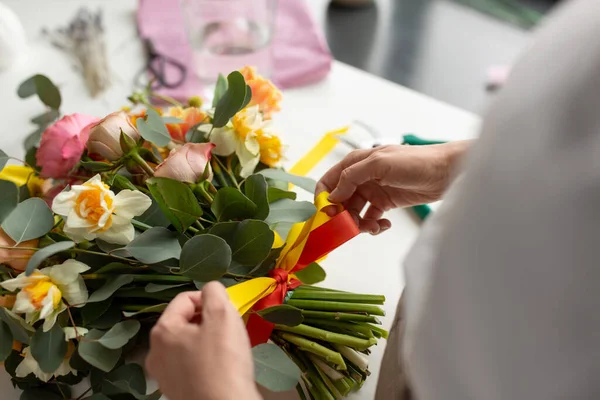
column 187, row 163
column 62, row 145
column 105, row 135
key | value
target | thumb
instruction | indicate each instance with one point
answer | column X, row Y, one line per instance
column 216, row 305
column 350, row 179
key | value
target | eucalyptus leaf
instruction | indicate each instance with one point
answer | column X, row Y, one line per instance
column 111, row 248
column 126, row 388
column 153, row 129
column 110, row 287
column 275, row 194
column 225, row 230
column 132, row 373
column 176, row 200
column 205, row 258
column 172, row 120
column 267, row 264
column 92, row 311
column 232, row 100
column 46, row 118
column 274, row 369
column 252, row 242
column 154, row 245
column 300, row 181
column 230, row 203
column 44, row 88
column 154, row 216
column 286, row 210
column 311, row 274
column 3, row 159
column 120, row 334
column 220, row 89
column 9, row 198
column 155, row 287
column 49, row 348
column 283, row 229
column 283, row 314
column 97, row 396
column 6, row 341
column 30, row 220
column 115, row 267
column 158, row 308
column 48, row 251
column 255, row 188
column 247, row 98
column 39, row 394
column 96, row 354
column 20, row 329
column 108, row 319
column 31, row 143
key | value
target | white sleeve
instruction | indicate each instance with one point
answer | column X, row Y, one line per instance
column 503, row 289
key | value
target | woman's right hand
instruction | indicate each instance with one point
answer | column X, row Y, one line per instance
column 389, row 177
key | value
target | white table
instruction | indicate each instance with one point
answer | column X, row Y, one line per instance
column 368, row 264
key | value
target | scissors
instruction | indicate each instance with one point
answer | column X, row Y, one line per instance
column 375, row 139
column 157, row 65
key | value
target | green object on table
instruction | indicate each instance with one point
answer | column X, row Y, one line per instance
column 511, row 11
column 423, row 210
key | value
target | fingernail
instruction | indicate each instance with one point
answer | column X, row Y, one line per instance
column 384, row 228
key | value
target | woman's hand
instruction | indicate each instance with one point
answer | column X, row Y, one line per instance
column 389, row 177
column 199, row 349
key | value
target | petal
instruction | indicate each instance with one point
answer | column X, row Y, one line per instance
column 74, row 333
column 75, row 221
column 248, row 160
column 79, row 234
column 48, row 303
column 75, row 293
column 27, row 366
column 67, row 272
column 63, row 369
column 63, row 203
column 23, row 304
column 120, row 232
column 130, row 203
column 20, row 282
column 225, row 140
column 51, row 319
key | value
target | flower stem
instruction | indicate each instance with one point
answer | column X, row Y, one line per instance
column 223, row 167
column 328, row 336
column 339, row 296
column 84, row 393
column 344, row 326
column 336, row 306
column 219, row 173
column 379, row 330
column 315, row 348
column 140, row 225
column 143, row 278
column 97, row 253
column 142, row 163
column 339, row 316
column 166, row 99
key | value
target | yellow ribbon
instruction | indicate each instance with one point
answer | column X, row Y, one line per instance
column 21, row 175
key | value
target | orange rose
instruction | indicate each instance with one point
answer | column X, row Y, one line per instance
column 190, row 116
column 17, row 259
column 264, row 93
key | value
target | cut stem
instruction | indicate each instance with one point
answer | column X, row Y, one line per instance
column 349, row 326
column 140, row 225
column 340, row 316
column 315, row 348
column 339, row 296
column 327, row 336
column 336, row 306
column 142, row 163
column 379, row 330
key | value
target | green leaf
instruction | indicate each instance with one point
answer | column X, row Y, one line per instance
column 46, row 252
column 31, row 143
column 172, row 120
column 311, row 274
column 232, row 100
column 126, row 388
column 275, row 194
column 110, row 287
column 286, row 210
column 49, row 348
column 97, row 355
column 108, row 319
column 154, row 245
column 92, row 311
column 154, row 216
column 115, row 267
column 3, row 159
column 267, row 264
column 176, row 200
column 120, row 334
column 9, row 198
column 6, row 341
column 220, row 89
column 30, row 220
column 274, row 369
column 252, row 242
column 225, row 230
column 46, row 118
column 39, row 394
column 255, row 188
column 132, row 373
column 21, row 331
column 97, row 396
column 247, row 98
column 230, row 203
column 158, row 308
column 153, row 128
column 112, row 248
column 282, row 229
column 95, row 166
column 300, row 181
column 154, row 287
column 44, row 88
column 283, row 315
column 205, row 258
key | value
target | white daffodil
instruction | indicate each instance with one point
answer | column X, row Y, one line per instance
column 42, row 293
column 240, row 136
column 92, row 210
column 29, row 365
column 74, row 332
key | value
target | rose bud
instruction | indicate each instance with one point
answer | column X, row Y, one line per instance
column 187, row 163
column 105, row 136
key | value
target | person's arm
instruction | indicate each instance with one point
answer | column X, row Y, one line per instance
column 388, row 177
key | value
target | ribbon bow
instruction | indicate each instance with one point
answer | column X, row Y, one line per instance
column 307, row 242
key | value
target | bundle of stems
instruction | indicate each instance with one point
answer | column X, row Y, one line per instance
column 332, row 343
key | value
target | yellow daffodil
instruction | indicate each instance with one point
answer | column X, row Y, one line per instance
column 22, row 175
column 249, row 137
column 92, row 210
column 44, row 292
column 29, row 365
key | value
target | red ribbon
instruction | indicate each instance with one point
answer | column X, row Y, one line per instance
column 320, row 242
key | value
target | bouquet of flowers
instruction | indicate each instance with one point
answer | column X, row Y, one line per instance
column 108, row 220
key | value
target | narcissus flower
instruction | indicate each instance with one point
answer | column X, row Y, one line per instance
column 92, row 210
column 43, row 294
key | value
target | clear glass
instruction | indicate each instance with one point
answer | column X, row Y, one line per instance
column 226, row 35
